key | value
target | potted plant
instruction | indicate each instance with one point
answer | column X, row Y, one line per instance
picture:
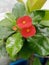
column 24, row 32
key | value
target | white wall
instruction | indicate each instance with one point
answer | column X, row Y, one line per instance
column 46, row 5
column 6, row 5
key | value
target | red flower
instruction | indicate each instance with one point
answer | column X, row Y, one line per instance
column 27, row 32
column 24, row 22
column 27, row 29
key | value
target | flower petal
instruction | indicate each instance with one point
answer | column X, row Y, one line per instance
column 27, row 32
column 24, row 22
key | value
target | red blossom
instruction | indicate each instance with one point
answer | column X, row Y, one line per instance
column 27, row 32
column 24, row 22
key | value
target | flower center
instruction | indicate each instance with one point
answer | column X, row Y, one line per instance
column 28, row 30
column 24, row 22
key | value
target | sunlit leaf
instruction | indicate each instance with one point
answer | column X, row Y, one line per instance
column 35, row 4
column 14, row 44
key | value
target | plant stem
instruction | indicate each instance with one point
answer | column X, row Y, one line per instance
column 31, row 60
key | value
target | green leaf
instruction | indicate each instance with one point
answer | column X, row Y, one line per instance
column 45, row 22
column 37, row 16
column 39, row 12
column 3, row 52
column 20, row 1
column 25, row 52
column 2, row 49
column 39, row 44
column 14, row 44
column 46, row 17
column 43, row 30
column 36, row 61
column 47, row 62
column 5, row 28
column 1, row 42
column 34, row 4
column 11, row 18
column 19, row 10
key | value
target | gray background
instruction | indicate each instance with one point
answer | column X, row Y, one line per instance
column 6, row 5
